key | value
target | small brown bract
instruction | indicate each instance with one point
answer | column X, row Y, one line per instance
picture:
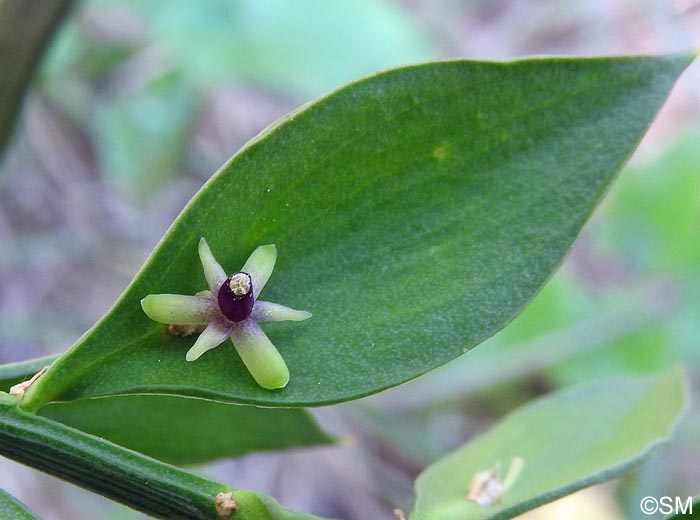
column 182, row 331
column 225, row 505
column 20, row 388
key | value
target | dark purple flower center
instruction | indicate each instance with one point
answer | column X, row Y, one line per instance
column 236, row 297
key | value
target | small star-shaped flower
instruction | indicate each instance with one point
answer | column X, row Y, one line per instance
column 231, row 309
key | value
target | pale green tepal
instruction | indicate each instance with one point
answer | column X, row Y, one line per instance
column 231, row 309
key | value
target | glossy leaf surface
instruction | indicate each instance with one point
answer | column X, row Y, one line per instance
column 415, row 213
column 569, row 440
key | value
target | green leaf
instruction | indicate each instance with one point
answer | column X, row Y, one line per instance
column 415, row 213
column 10, row 507
column 568, row 440
column 152, row 424
column 162, row 426
column 25, row 29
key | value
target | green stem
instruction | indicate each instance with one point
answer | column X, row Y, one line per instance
column 143, row 483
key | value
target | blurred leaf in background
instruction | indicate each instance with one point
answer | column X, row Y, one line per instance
column 149, row 74
column 566, row 441
column 141, row 137
column 301, row 48
column 25, row 30
column 646, row 243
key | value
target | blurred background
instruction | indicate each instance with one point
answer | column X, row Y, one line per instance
column 136, row 104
